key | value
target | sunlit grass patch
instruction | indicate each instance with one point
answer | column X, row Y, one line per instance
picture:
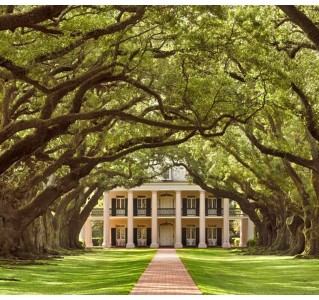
column 98, row 272
column 220, row 272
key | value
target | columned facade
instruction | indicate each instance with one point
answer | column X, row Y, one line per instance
column 154, row 243
column 88, row 233
column 166, row 215
column 106, row 219
column 130, row 243
column 202, row 227
column 178, row 220
column 226, row 243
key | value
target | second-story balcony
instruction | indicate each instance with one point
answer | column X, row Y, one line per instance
column 141, row 211
column 98, row 212
column 120, row 212
column 166, row 212
column 191, row 212
column 214, row 212
column 169, row 212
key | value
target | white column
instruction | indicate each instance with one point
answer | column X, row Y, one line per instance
column 178, row 220
column 130, row 242
column 154, row 243
column 88, row 233
column 251, row 227
column 106, row 220
column 82, row 234
column 241, row 234
column 202, row 217
column 226, row 243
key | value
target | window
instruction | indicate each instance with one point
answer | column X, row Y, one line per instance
column 190, row 232
column 212, row 203
column 167, row 174
column 191, row 203
column 212, row 236
column 141, row 233
column 212, row 233
column 120, row 233
column 141, row 203
column 120, row 203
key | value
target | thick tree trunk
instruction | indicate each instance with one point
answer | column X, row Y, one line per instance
column 37, row 239
column 77, row 218
column 281, row 243
column 9, row 234
column 297, row 241
column 312, row 237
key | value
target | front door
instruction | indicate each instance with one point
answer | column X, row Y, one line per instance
column 166, row 234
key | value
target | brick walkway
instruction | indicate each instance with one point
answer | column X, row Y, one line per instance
column 165, row 275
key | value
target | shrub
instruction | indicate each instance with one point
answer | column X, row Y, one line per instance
column 251, row 242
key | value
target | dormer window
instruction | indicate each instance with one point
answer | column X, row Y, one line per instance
column 167, row 175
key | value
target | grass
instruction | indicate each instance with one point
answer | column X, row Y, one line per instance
column 97, row 272
column 228, row 272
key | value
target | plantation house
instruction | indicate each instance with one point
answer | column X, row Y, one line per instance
column 166, row 212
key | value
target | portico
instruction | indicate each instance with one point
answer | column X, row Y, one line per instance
column 171, row 215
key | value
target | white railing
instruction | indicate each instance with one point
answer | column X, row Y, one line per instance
column 191, row 211
column 166, row 211
column 141, row 211
column 215, row 212
column 120, row 212
column 212, row 212
column 98, row 212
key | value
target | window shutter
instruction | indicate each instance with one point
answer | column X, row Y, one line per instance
column 113, row 206
column 149, row 236
column 197, row 206
column 135, row 236
column 206, row 236
column 125, row 206
column 219, row 206
column 135, row 206
column 219, row 237
column 197, row 236
column 148, row 207
column 184, row 209
column 184, row 236
column 113, row 237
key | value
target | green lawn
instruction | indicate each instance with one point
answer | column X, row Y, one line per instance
column 221, row 272
column 112, row 272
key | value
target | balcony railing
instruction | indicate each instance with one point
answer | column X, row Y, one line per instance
column 191, row 211
column 215, row 212
column 141, row 211
column 166, row 211
column 120, row 212
column 235, row 212
column 212, row 212
column 98, row 212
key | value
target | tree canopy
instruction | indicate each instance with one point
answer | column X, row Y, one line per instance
column 89, row 93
